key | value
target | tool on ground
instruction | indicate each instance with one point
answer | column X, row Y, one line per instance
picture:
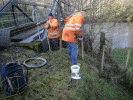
column 82, row 49
column 48, row 40
column 82, row 44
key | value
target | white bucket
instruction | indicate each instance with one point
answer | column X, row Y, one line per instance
column 75, row 71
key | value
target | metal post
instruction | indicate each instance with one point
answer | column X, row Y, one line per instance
column 36, row 16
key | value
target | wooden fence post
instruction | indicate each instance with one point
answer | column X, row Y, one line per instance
column 127, row 58
column 102, row 41
column 102, row 58
column 110, row 46
column 130, row 77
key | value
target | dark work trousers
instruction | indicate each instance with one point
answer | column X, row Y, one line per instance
column 54, row 44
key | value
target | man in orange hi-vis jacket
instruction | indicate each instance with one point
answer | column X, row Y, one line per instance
column 73, row 31
column 53, row 33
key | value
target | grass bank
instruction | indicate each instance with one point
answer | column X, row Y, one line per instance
column 52, row 81
column 120, row 56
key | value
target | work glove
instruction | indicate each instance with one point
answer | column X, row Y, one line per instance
column 80, row 38
column 47, row 24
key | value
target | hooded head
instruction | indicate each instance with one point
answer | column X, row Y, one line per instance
column 50, row 16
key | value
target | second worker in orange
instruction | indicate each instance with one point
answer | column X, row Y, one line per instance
column 53, row 33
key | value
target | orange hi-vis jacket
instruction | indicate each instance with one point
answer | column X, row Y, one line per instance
column 52, row 25
column 73, row 28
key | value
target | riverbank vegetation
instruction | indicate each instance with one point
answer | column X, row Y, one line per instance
column 52, row 81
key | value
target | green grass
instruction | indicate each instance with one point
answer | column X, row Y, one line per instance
column 120, row 56
column 52, row 81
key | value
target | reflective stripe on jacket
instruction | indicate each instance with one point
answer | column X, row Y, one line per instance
column 52, row 26
column 73, row 28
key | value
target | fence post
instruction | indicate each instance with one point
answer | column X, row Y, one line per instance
column 102, row 58
column 102, row 41
column 130, row 77
column 127, row 58
column 110, row 46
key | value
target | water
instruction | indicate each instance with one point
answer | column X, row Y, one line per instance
column 120, row 33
